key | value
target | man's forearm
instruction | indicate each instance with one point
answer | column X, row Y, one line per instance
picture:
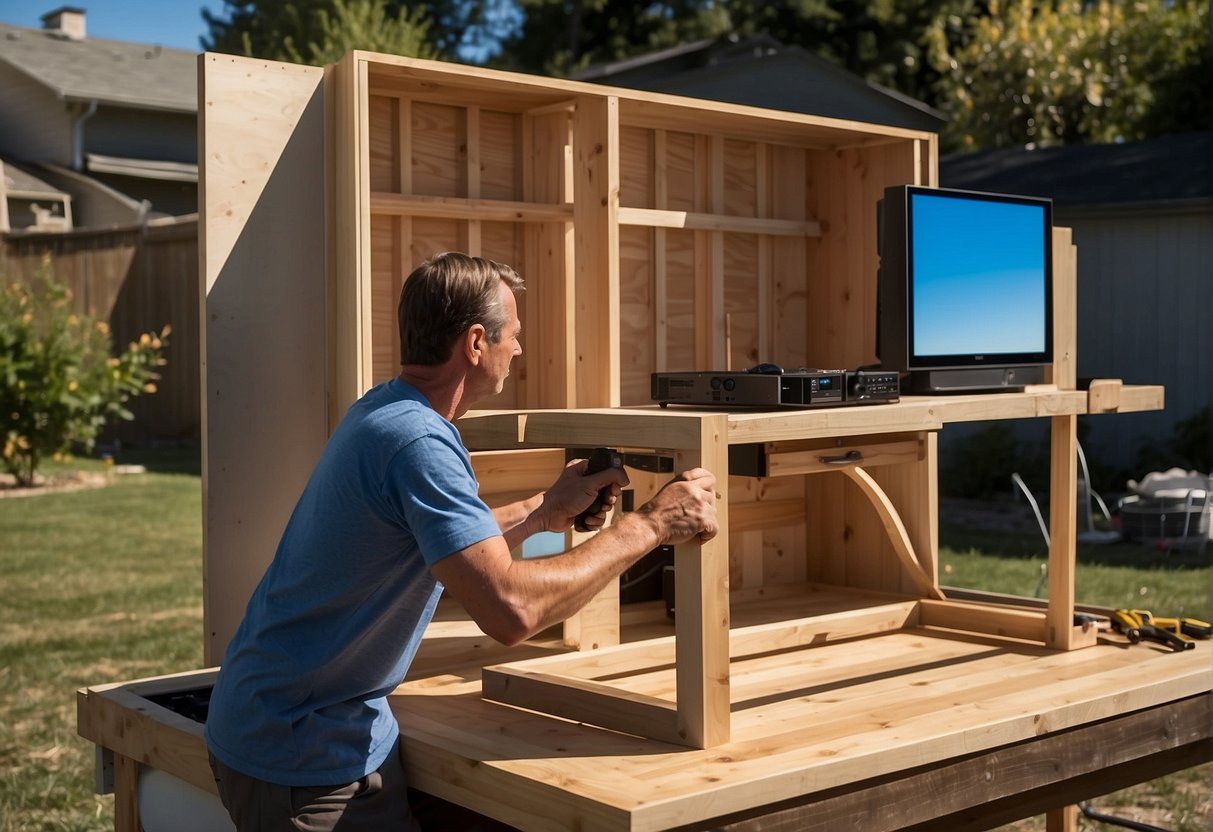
column 517, row 521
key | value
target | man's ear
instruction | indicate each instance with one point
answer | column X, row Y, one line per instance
column 475, row 340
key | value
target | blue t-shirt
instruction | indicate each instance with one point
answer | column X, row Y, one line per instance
column 301, row 698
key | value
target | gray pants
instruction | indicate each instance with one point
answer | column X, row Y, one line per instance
column 373, row 803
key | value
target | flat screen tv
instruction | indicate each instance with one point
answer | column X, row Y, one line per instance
column 965, row 289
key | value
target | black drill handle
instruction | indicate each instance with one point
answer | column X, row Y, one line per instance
column 600, row 460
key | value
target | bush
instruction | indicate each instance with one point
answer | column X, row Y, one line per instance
column 60, row 383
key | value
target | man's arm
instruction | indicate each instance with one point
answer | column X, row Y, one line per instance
column 512, row 600
column 555, row 509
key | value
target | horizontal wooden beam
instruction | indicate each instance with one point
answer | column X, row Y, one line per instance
column 656, row 218
column 1009, row 622
column 458, row 208
column 585, row 701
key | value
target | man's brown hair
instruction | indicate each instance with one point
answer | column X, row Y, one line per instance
column 446, row 295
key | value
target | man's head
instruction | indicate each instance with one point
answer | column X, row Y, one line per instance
column 444, row 297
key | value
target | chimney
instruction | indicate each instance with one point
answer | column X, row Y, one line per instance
column 66, row 21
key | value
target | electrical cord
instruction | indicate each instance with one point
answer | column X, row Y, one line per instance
column 1115, row 821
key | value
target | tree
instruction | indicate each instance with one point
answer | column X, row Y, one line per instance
column 59, row 381
column 1068, row 72
column 319, row 31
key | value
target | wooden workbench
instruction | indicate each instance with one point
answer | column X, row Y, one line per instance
column 883, row 731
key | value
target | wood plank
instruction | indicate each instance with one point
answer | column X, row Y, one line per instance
column 868, row 455
column 1083, row 757
column 896, row 531
column 983, row 618
column 1063, row 371
column 701, row 620
column 126, row 794
column 472, row 140
column 529, row 471
column 585, row 701
column 596, row 247
column 461, row 208
column 262, row 158
column 696, row 221
column 1063, row 547
column 1103, row 395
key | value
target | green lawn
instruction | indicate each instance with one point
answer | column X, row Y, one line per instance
column 99, row 585
column 105, row 585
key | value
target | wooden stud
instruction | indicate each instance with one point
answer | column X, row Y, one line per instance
column 596, row 234
column 126, row 794
column 1063, row 372
column 1063, row 505
column 472, row 144
column 661, row 305
column 701, row 620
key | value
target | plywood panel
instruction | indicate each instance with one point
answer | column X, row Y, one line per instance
column 636, row 168
column 741, row 289
column 500, row 155
column 740, row 179
column 791, row 271
column 439, row 144
column 263, row 246
column 680, row 172
column 680, row 301
column 432, row 237
column 636, row 344
column 384, row 143
column 386, row 280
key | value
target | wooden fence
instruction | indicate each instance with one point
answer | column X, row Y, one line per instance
column 138, row 279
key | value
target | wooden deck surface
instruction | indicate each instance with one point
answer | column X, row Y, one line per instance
column 805, row 721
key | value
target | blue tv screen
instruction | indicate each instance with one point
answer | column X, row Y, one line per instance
column 980, row 270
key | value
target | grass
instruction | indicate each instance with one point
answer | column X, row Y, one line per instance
column 99, row 585
column 1125, row 574
column 105, row 585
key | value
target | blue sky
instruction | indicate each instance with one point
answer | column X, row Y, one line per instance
column 173, row 23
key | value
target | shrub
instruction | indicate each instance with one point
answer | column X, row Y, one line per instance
column 60, row 382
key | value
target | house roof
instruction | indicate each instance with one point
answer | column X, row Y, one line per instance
column 106, row 71
column 1177, row 168
column 21, row 183
column 763, row 72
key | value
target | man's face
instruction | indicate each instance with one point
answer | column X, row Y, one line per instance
column 497, row 357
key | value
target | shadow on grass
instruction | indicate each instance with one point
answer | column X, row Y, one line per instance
column 183, row 458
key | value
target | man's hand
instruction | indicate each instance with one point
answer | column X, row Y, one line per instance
column 575, row 491
column 685, row 509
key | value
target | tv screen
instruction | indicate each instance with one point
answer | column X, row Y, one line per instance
column 965, row 288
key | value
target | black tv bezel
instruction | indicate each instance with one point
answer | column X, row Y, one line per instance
column 896, row 295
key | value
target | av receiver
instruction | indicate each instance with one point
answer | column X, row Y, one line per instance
column 768, row 386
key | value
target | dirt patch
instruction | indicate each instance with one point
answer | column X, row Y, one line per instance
column 54, row 484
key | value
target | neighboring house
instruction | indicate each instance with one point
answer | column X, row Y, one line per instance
column 1142, row 216
column 110, row 122
column 762, row 72
column 26, row 202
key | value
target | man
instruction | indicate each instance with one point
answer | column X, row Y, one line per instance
column 299, row 729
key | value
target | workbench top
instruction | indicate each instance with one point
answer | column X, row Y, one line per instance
column 805, row 721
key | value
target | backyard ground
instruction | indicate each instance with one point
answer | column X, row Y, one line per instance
column 102, row 582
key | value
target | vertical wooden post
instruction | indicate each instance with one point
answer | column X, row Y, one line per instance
column 1063, row 498
column 1064, row 819
column 701, row 598
column 126, row 794
column 1064, row 371
column 596, row 244
column 473, row 176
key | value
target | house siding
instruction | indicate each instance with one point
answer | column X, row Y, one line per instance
column 36, row 125
column 143, row 134
column 1145, row 299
